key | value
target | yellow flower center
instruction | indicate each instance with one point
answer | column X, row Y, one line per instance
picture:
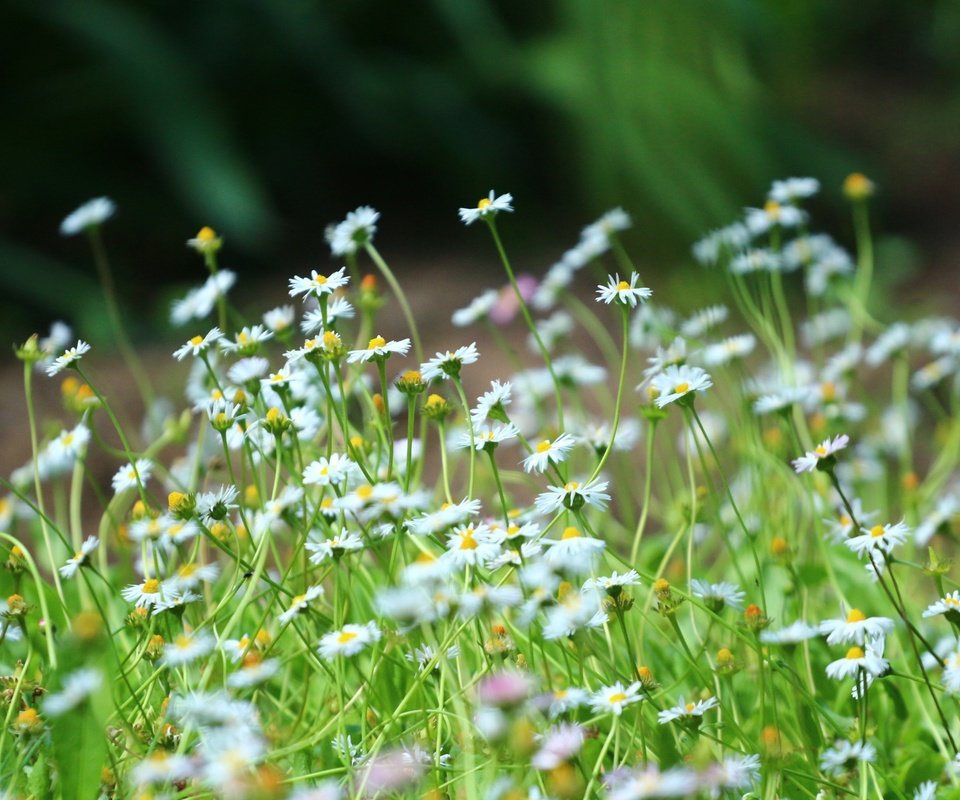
column 196, row 340
column 376, row 341
column 772, row 208
column 854, row 653
column 856, row 615
column 151, row 586
column 560, row 694
column 467, row 542
column 485, row 204
column 877, row 531
column 845, row 520
column 243, row 338
column 320, row 279
column 820, row 451
column 828, row 390
column 953, row 602
column 365, row 492
column 571, row 533
column 681, row 388
column 345, row 637
column 689, row 708
column 617, row 697
column 571, row 486
column 78, row 556
column 623, row 286
column 331, row 339
column 206, row 234
column 182, row 642
column 412, row 376
column 297, row 600
column 187, row 570
column 309, row 344
column 544, row 446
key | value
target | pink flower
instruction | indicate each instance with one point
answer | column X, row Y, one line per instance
column 507, row 305
column 504, row 689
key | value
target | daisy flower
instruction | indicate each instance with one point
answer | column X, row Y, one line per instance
column 573, row 495
column 319, row 285
column 573, row 551
column 951, row 673
column 563, row 700
column 127, row 476
column 448, row 364
column 198, row 344
column 613, row 584
column 855, row 627
column 489, row 206
column 650, row 781
column 686, row 711
column 479, row 308
column 623, row 292
column 300, row 603
column 487, row 438
column 470, row 546
column 162, row 766
column 253, row 673
column 870, row 661
column 279, row 319
column 77, row 687
column 717, row 595
column 795, row 633
column 549, row 451
column 354, row 232
column 69, row 569
column 247, row 341
column 187, row 648
column 349, row 640
column 378, row 349
column 558, row 745
column 773, row 214
column 147, row 594
column 615, row 698
column 789, row 190
column 90, row 214
column 844, row 756
column 493, row 403
column 333, row 547
column 677, row 382
column 878, row 537
column 946, row 604
column 214, row 506
column 68, row 358
column 447, row 516
column 728, row 350
column 823, row 452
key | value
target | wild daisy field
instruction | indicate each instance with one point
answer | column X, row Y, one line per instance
column 663, row 554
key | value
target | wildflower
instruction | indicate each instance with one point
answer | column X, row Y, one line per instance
column 89, row 215
column 254, row 672
column 857, row 186
column 926, row 791
column 549, row 452
column 379, row 349
column 69, row 357
column 470, row 546
column 609, row 223
column 717, row 595
column 247, row 341
column 704, row 320
column 349, row 640
column 558, row 746
column 487, row 438
column 573, row 551
column 447, row 365
column 79, row 558
column 615, row 698
column 855, row 627
column 489, row 206
column 573, row 495
column 878, row 537
column 145, row 595
column 679, row 382
column 613, row 584
column 870, row 661
column 206, row 241
column 773, row 214
column 729, row 349
column 300, row 603
column 493, row 403
column 845, row 756
column 686, row 711
column 354, row 232
column 187, row 648
column 945, row 605
column 279, row 319
column 951, row 673
column 790, row 190
column 130, row 476
column 333, row 547
column 199, row 302
column 822, row 456
column 77, row 687
column 215, row 505
column 575, row 611
column 794, row 633
column 198, row 344
column 333, row 470
column 319, row 285
column 192, row 574
column 650, row 781
column 479, row 308
column 623, row 292
column 563, row 700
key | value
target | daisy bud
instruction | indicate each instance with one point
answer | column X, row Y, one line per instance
column 858, row 187
column 370, row 298
column 30, row 350
column 16, row 562
column 181, row 505
column 251, row 496
column 647, row 681
column 139, row 510
column 378, row 402
column 726, row 662
column 138, row 617
column 754, row 619
column 411, row 382
column 276, row 422
column 779, row 547
column 206, row 241
column 437, row 408
column 16, row 606
column 28, row 723
column 155, row 647
column 333, row 348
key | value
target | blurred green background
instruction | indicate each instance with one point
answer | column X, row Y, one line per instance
column 268, row 120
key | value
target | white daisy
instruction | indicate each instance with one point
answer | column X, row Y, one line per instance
column 870, row 661
column 93, row 212
column 318, row 285
column 198, row 344
column 623, row 292
column 355, row 231
column 684, row 710
column 717, row 595
column 69, row 569
column 379, row 349
column 676, row 382
column 729, row 349
column 300, row 603
column 279, row 319
column 949, row 602
column 448, row 364
column 878, row 537
column 549, row 451
column 127, row 476
column 789, row 190
column 615, row 698
column 823, row 452
column 573, row 495
column 479, row 308
column 844, row 756
column 77, row 687
column 349, row 640
column 489, row 206
column 333, row 547
column 247, row 340
column 187, row 648
column 488, row 437
column 855, row 627
column 493, row 403
column 68, row 358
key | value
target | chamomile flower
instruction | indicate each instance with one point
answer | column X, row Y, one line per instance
column 187, row 648
column 470, row 545
column 549, row 451
column 717, row 595
column 318, row 285
column 77, row 687
column 198, row 344
column 447, row 516
column 950, row 602
column 379, row 349
column 129, row 476
column 822, row 454
column 878, row 537
column 613, row 584
column 704, row 320
column 253, row 673
column 69, row 357
column 279, row 319
column 448, row 364
column 479, row 308
column 773, row 214
column 856, row 659
column 730, row 349
column 789, row 190
column 300, row 603
column 214, row 506
column 488, row 437
column 855, row 627
column 355, row 231
column 493, row 403
column 334, row 547
column 558, row 746
column 79, row 558
column 844, row 756
column 192, row 574
column 573, row 495
column 349, row 640
column 563, row 700
column 573, row 552
column 794, row 633
column 678, row 382
column 247, row 340
column 147, row 594
column 686, row 711
column 614, row 699
column 89, row 215
column 488, row 206
column 623, row 292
